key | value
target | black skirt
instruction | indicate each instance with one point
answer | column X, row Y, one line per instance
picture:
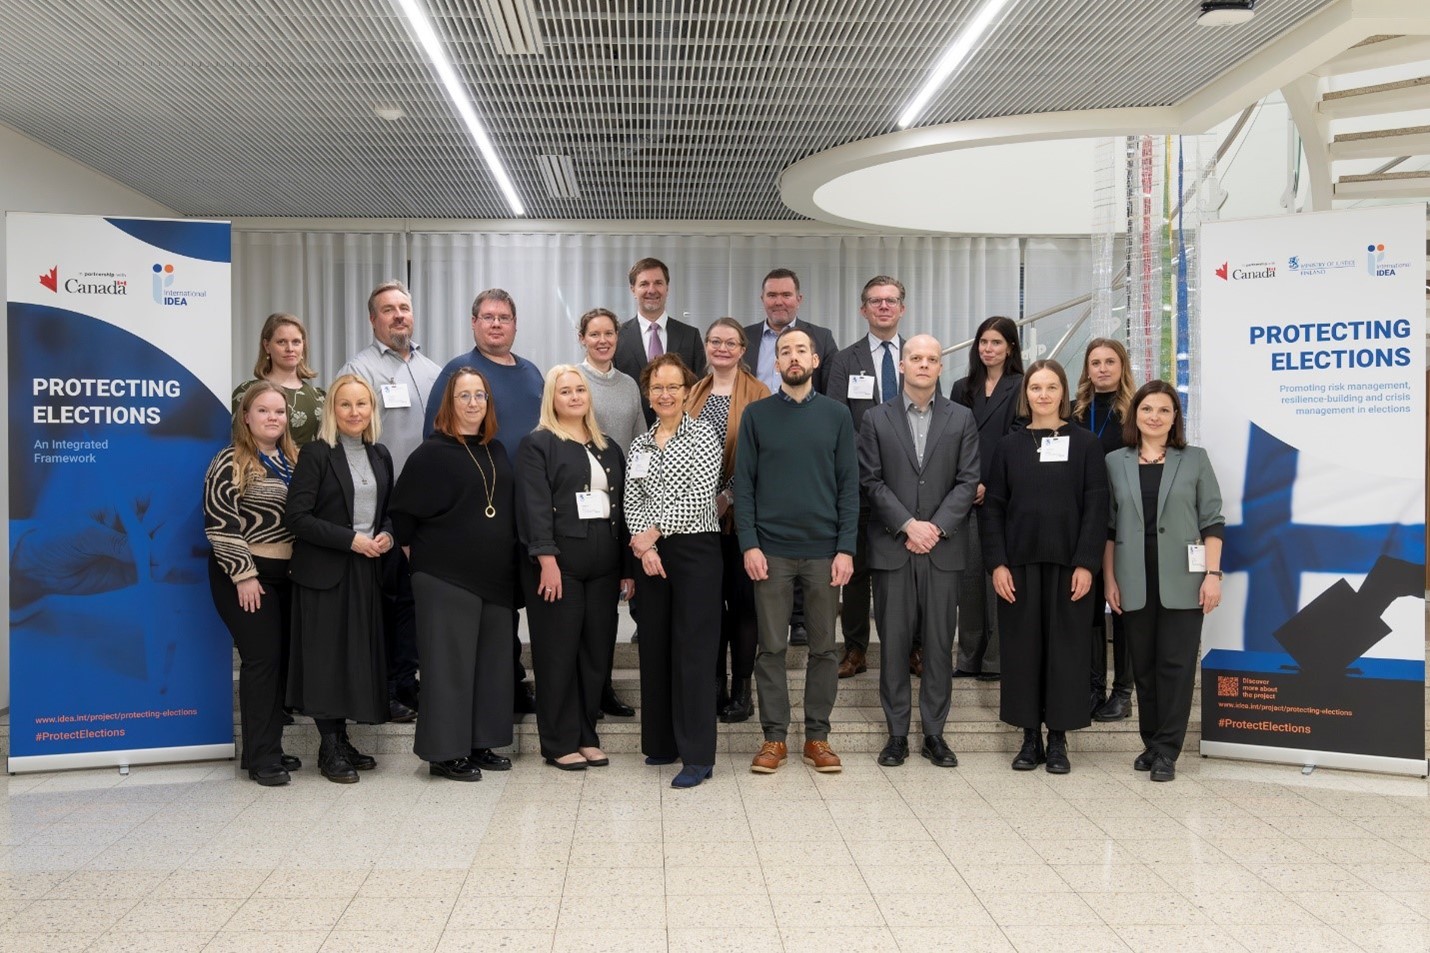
column 337, row 667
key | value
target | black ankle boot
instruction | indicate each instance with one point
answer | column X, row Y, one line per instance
column 722, row 695
column 332, row 762
column 1058, row 752
column 359, row 761
column 741, row 705
column 1031, row 754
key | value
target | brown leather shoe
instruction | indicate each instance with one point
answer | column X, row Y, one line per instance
column 853, row 663
column 818, row 756
column 772, row 755
column 916, row 663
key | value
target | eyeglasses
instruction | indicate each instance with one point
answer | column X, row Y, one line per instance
column 472, row 397
column 657, row 389
column 728, row 345
column 875, row 302
column 496, row 319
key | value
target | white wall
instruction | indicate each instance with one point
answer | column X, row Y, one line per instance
column 35, row 178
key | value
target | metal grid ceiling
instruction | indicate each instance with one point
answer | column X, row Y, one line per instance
column 675, row 109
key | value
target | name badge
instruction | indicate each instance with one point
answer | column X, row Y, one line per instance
column 592, row 506
column 1196, row 558
column 861, row 387
column 639, row 465
column 395, row 395
column 1054, row 450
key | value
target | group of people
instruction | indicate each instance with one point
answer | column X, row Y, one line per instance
column 741, row 488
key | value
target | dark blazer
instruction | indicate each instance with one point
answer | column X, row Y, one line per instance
column 824, row 346
column 1188, row 502
column 319, row 511
column 996, row 416
column 940, row 491
column 549, row 473
column 681, row 338
column 850, row 362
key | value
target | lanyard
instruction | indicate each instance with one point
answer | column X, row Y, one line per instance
column 1092, row 418
column 279, row 468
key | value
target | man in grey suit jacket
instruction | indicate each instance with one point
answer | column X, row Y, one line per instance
column 918, row 465
column 652, row 331
column 781, row 298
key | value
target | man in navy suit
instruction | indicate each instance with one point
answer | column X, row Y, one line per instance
column 652, row 331
column 781, row 298
column 862, row 376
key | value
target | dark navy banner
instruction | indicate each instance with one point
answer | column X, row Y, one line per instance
column 118, row 363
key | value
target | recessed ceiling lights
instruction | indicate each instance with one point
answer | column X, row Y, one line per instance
column 1226, row 12
column 959, row 50
column 390, row 113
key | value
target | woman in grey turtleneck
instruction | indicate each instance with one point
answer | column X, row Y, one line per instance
column 337, row 510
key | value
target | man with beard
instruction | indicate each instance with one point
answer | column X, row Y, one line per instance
column 796, row 513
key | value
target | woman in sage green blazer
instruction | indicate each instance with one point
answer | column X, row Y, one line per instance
column 1162, row 566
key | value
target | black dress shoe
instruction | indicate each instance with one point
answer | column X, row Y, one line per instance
column 568, row 766
column 1117, row 707
column 270, row 776
column 1143, row 762
column 938, row 751
column 290, row 762
column 1164, row 768
column 359, row 761
column 1057, row 757
column 524, row 701
column 1031, row 754
column 611, row 704
column 410, row 695
column 399, row 713
column 961, row 673
column 798, row 634
column 1098, row 699
column 489, row 760
column 990, row 676
column 458, row 769
column 895, row 751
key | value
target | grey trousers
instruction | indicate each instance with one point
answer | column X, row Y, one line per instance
column 916, row 602
column 773, row 598
column 977, row 610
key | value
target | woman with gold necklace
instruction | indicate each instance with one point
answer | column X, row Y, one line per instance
column 454, row 510
column 571, row 479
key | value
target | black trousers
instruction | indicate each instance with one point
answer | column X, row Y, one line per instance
column 1164, row 645
column 1044, row 637
column 1121, row 657
column 854, row 608
column 466, row 688
column 738, row 628
column 262, row 641
column 574, row 638
column 399, row 624
column 679, row 618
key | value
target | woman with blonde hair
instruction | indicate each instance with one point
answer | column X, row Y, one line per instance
column 283, row 360
column 720, row 398
column 337, row 510
column 571, row 525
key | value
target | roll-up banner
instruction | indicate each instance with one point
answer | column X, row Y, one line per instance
column 119, row 370
column 1313, row 412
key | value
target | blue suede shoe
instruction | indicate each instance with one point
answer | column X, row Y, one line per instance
column 691, row 775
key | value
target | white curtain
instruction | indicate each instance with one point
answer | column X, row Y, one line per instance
column 1054, row 271
column 952, row 283
column 322, row 277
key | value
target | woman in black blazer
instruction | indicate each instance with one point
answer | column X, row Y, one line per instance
column 337, row 510
column 570, row 523
column 454, row 510
column 991, row 391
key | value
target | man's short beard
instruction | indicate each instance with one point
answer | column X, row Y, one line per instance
column 800, row 377
column 399, row 340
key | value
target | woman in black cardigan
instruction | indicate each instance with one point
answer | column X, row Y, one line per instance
column 337, row 510
column 991, row 390
column 454, row 509
column 570, row 484
column 1044, row 525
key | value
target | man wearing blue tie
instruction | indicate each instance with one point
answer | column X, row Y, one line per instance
column 861, row 376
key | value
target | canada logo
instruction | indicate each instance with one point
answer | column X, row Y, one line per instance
column 52, row 280
column 1221, row 271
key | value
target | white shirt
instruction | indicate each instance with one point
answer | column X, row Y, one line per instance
column 645, row 326
column 876, row 350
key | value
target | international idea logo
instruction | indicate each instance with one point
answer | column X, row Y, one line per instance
column 1376, row 264
column 164, row 291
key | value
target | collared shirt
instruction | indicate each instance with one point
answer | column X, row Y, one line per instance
column 876, row 350
column 782, row 395
column 766, row 371
column 379, row 364
column 663, row 322
column 919, row 419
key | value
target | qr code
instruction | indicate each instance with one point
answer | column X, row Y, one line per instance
column 1228, row 686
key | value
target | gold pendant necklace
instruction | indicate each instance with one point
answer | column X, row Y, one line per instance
column 491, row 509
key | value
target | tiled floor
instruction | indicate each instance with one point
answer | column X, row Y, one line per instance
column 1230, row 856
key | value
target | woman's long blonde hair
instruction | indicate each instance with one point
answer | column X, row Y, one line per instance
column 550, row 421
column 247, row 468
column 1122, row 397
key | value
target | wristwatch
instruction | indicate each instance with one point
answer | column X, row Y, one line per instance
column 1214, row 572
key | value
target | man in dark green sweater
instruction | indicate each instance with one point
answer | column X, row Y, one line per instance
column 796, row 513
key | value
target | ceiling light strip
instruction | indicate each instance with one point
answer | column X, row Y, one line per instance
column 426, row 36
column 958, row 51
